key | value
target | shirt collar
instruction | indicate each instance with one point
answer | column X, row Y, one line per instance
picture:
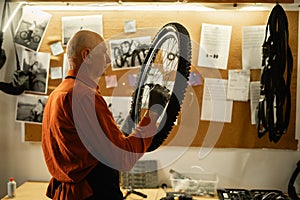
column 82, row 77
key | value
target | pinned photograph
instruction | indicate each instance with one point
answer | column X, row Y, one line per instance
column 118, row 108
column 72, row 24
column 66, row 66
column 30, row 108
column 32, row 28
column 35, row 66
column 129, row 52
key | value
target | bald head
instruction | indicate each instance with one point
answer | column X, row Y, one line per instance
column 81, row 40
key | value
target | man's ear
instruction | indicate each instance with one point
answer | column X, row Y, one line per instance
column 86, row 56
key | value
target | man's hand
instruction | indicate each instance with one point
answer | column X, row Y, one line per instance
column 159, row 97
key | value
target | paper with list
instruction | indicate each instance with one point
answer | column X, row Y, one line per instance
column 238, row 85
column 214, row 46
column 215, row 106
column 252, row 41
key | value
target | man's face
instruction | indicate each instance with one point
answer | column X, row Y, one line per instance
column 100, row 59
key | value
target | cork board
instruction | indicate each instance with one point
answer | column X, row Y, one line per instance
column 237, row 134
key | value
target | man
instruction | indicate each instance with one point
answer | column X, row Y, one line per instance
column 82, row 144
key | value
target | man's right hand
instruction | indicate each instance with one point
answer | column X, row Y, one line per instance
column 159, row 97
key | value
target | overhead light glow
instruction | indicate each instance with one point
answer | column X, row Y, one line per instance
column 256, row 7
column 19, row 6
column 129, row 6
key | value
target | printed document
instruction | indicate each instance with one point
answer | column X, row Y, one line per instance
column 214, row 46
column 215, row 106
column 252, row 41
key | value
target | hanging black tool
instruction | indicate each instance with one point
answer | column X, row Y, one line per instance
column 273, row 111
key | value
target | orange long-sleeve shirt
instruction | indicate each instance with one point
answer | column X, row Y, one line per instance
column 79, row 131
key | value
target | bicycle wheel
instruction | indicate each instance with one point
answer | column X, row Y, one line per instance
column 23, row 35
column 36, row 39
column 167, row 63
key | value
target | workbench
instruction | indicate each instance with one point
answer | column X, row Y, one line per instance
column 36, row 191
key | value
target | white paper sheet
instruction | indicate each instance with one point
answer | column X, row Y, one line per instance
column 254, row 97
column 238, row 85
column 130, row 26
column 56, row 72
column 214, row 46
column 56, row 48
column 215, row 106
column 252, row 41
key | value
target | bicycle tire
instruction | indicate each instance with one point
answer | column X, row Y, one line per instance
column 23, row 35
column 181, row 55
column 36, row 38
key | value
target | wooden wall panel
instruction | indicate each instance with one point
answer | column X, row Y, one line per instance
column 237, row 134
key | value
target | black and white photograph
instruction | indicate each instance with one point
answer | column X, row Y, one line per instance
column 72, row 24
column 66, row 66
column 32, row 28
column 129, row 52
column 30, row 108
column 119, row 107
column 36, row 67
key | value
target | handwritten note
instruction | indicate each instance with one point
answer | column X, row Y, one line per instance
column 238, row 85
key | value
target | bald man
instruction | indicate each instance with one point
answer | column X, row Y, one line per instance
column 82, row 144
